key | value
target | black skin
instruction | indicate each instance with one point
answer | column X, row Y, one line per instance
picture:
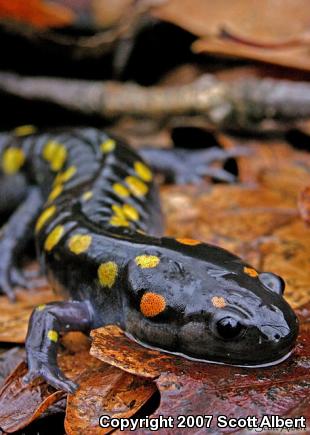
column 208, row 304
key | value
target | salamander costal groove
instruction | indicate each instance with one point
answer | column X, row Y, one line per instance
column 92, row 204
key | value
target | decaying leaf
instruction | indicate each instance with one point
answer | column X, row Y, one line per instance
column 30, row 401
column 304, row 204
column 296, row 56
column 105, row 390
column 265, row 21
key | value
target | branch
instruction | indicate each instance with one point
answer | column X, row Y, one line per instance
column 242, row 103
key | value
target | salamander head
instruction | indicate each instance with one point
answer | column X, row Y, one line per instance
column 205, row 303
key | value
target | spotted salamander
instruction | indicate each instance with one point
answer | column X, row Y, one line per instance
column 92, row 204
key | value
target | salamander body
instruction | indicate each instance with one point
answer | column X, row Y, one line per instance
column 98, row 233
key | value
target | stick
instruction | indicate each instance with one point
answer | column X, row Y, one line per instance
column 242, row 103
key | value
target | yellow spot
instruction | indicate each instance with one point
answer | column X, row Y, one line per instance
column 218, row 302
column 64, row 176
column 44, row 217
column 54, row 237
column 130, row 212
column 55, row 192
column 141, row 231
column 143, row 171
column 152, row 304
column 87, row 195
column 41, row 307
column 107, row 273
column 12, row 160
column 118, row 221
column 250, row 271
column 190, row 242
column 56, row 154
column 121, row 190
column 49, row 150
column 136, row 186
column 108, row 146
column 147, row 261
column 118, row 210
column 79, row 243
column 53, row 335
column 24, row 130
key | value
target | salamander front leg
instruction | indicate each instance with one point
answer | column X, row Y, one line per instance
column 13, row 238
column 190, row 166
column 45, row 325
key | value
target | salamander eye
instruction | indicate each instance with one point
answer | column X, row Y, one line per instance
column 229, row 328
column 273, row 282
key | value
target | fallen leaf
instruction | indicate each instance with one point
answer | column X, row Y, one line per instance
column 265, row 21
column 105, row 390
column 30, row 401
column 33, row 399
column 304, row 204
column 269, row 31
column 292, row 57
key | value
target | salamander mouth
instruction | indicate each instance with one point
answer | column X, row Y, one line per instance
column 285, row 355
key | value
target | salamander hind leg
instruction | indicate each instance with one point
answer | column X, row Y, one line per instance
column 191, row 166
column 46, row 323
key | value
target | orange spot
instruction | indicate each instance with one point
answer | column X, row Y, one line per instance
column 218, row 302
column 250, row 271
column 152, row 304
column 190, row 242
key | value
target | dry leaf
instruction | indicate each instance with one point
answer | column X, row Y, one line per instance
column 274, row 32
column 293, row 57
column 105, row 390
column 21, row 403
column 304, row 204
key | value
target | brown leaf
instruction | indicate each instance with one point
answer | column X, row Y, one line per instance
column 20, row 403
column 275, row 33
column 105, row 390
column 293, row 57
column 38, row 13
column 264, row 22
column 188, row 387
column 14, row 316
column 304, row 204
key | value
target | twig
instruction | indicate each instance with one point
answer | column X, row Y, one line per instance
column 242, row 103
